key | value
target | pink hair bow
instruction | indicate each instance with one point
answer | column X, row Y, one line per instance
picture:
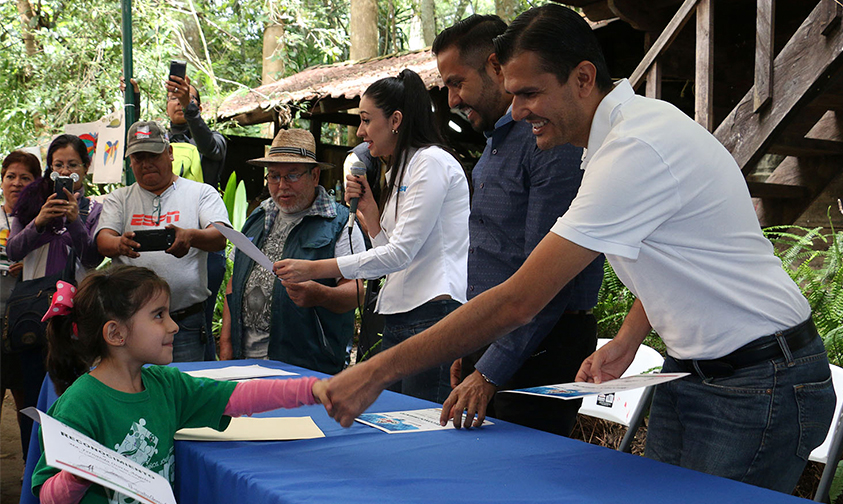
column 62, row 300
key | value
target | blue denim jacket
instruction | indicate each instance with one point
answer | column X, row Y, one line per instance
column 314, row 338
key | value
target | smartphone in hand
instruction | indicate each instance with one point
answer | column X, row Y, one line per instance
column 61, row 183
column 177, row 68
column 155, row 239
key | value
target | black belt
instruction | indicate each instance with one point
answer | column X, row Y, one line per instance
column 763, row 349
column 186, row 312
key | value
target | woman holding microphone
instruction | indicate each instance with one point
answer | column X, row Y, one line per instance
column 419, row 229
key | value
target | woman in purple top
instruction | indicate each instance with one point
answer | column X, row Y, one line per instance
column 45, row 226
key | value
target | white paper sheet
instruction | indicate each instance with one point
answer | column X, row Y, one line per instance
column 70, row 450
column 257, row 429
column 239, row 372
column 578, row 389
column 245, row 245
column 401, row 422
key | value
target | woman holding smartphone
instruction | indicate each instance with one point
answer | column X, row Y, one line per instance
column 419, row 230
column 45, row 226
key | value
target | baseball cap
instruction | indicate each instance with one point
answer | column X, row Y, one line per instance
column 146, row 136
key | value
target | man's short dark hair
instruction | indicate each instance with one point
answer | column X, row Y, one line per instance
column 560, row 37
column 472, row 37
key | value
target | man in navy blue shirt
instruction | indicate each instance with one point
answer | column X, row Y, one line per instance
column 519, row 192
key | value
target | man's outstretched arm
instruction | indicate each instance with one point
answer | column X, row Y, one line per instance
column 553, row 263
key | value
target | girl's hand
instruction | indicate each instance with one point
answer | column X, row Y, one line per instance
column 320, row 391
column 293, row 270
column 367, row 207
column 51, row 209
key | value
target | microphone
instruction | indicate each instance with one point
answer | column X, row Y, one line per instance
column 358, row 169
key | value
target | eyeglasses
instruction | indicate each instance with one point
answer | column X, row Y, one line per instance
column 70, row 166
column 156, row 209
column 291, row 178
column 193, row 99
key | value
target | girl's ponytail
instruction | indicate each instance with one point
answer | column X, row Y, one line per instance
column 64, row 362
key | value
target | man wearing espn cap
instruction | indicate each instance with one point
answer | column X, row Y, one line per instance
column 161, row 199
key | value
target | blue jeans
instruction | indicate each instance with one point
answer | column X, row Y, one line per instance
column 757, row 426
column 191, row 340
column 433, row 384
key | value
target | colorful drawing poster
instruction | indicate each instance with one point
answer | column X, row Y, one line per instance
column 108, row 157
column 576, row 390
column 87, row 132
column 400, row 422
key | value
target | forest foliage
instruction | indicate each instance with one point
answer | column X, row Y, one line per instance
column 62, row 59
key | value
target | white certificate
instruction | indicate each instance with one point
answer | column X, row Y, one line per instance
column 579, row 389
column 239, row 372
column 400, row 422
column 245, row 245
column 69, row 450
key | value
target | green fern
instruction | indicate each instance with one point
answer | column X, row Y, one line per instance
column 814, row 260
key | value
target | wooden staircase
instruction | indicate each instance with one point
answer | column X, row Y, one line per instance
column 790, row 119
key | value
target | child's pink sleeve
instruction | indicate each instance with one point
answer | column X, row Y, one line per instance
column 254, row 396
column 63, row 488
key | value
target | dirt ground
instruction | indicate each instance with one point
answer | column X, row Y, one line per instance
column 11, row 460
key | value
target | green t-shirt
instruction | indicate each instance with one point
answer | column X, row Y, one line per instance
column 139, row 426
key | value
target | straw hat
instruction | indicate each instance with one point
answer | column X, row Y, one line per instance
column 291, row 146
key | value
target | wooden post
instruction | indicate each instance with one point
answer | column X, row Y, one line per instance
column 834, row 11
column 764, row 33
column 671, row 31
column 703, row 100
column 653, row 88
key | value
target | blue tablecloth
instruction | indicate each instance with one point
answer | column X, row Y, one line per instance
column 503, row 463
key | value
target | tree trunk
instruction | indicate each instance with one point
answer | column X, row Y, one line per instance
column 505, row 9
column 363, row 28
column 26, row 15
column 273, row 49
column 363, row 31
column 192, row 36
column 428, row 19
column 393, row 27
column 460, row 11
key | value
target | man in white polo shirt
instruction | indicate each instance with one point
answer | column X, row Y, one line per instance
column 160, row 200
column 669, row 207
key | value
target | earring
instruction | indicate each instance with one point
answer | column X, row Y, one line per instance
column 395, row 132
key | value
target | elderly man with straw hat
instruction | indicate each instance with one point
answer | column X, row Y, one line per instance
column 306, row 324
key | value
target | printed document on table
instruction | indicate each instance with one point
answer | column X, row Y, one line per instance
column 256, row 429
column 579, row 389
column 399, row 422
column 70, row 450
column 239, row 372
column 245, row 245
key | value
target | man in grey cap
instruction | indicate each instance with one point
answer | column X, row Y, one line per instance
column 162, row 200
